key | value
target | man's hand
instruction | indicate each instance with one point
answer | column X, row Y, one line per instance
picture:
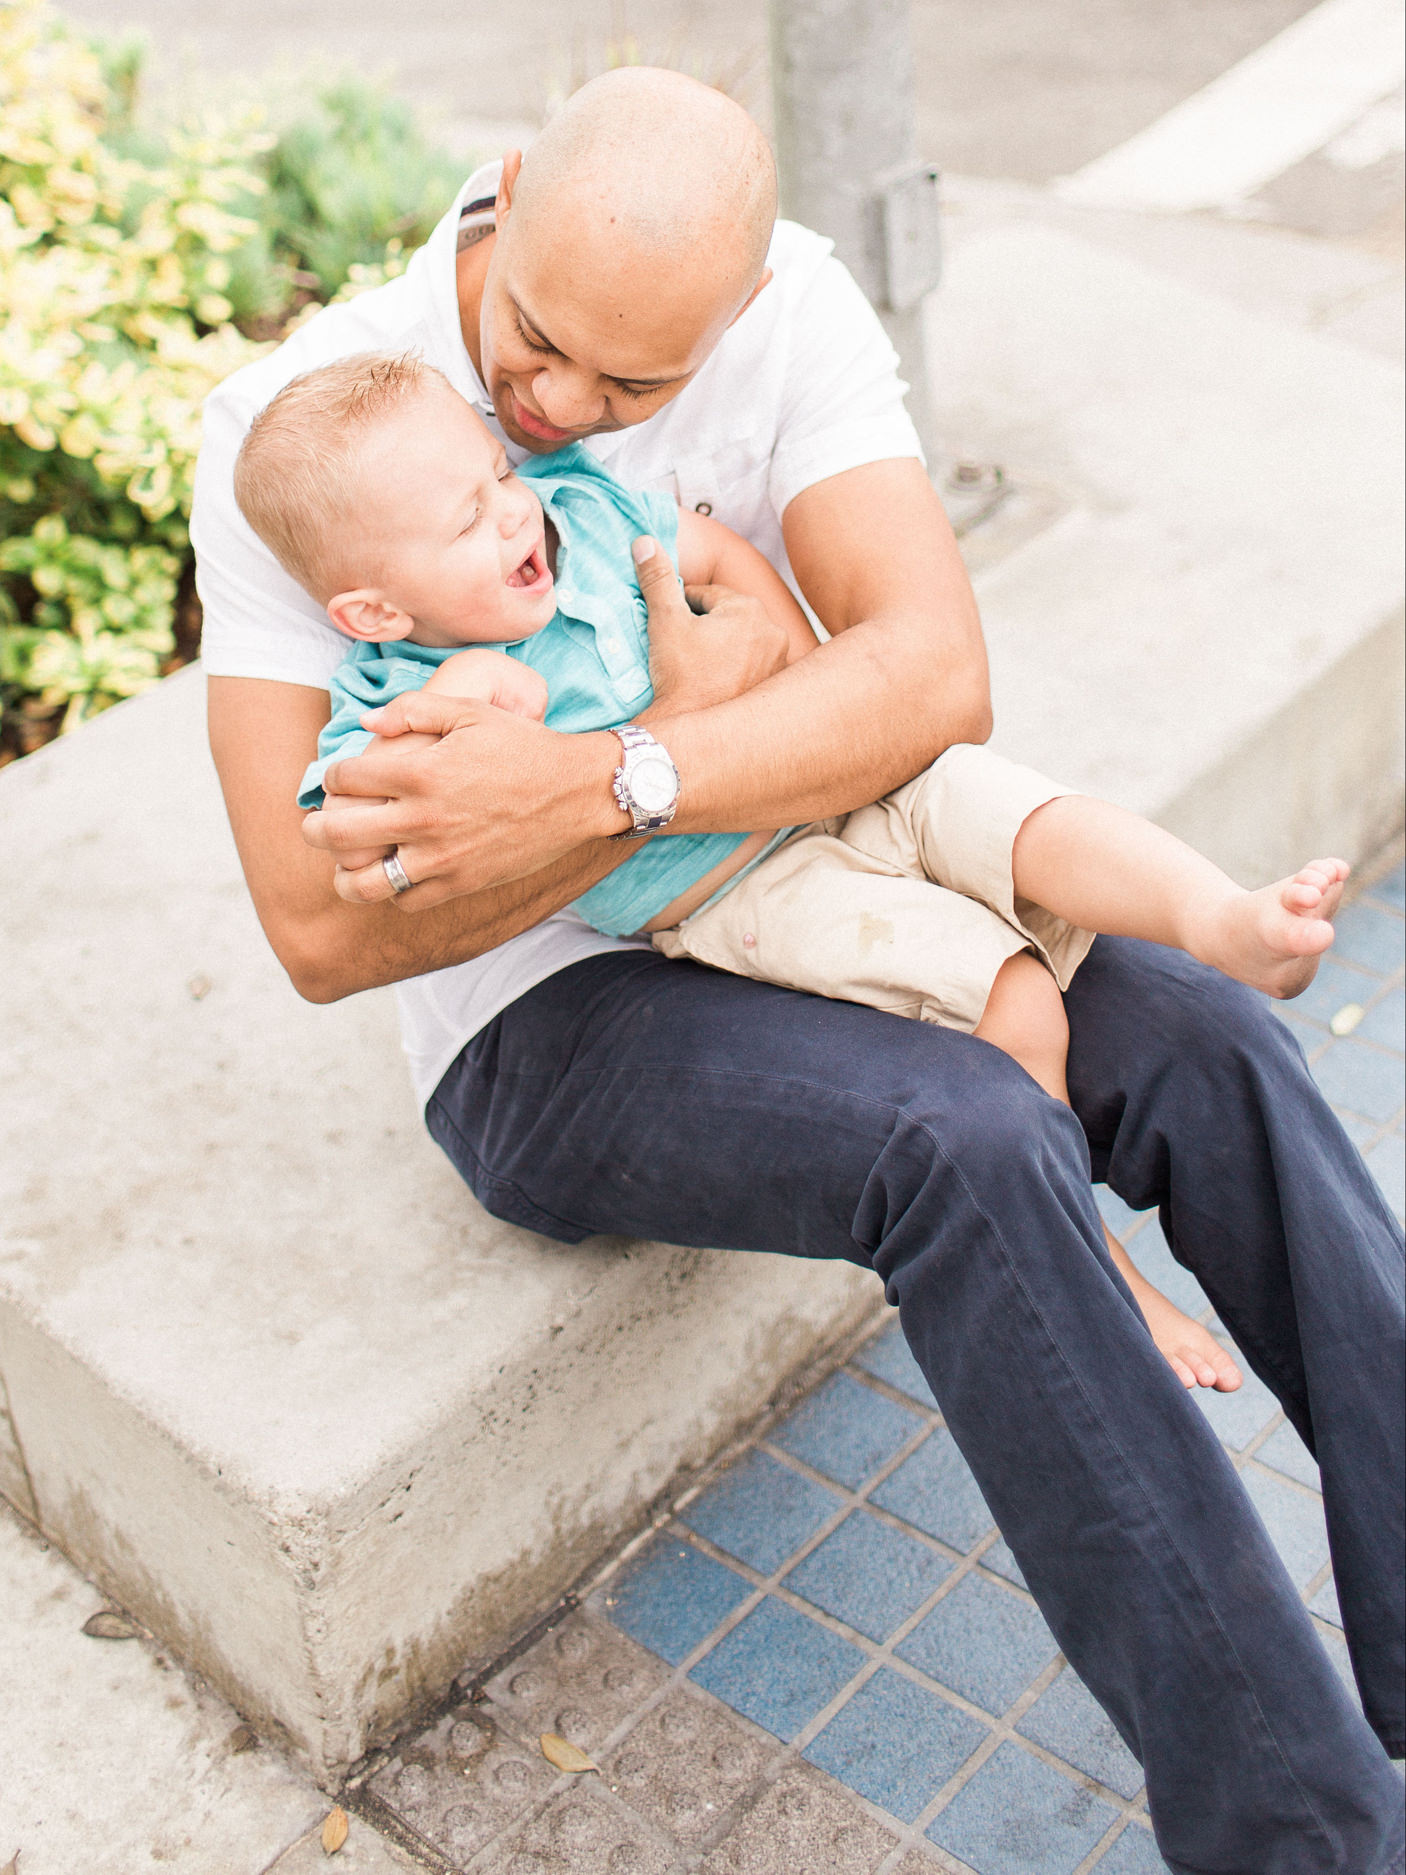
column 726, row 644
column 496, row 798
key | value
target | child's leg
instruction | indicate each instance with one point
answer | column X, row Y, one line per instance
column 1101, row 867
column 1025, row 1017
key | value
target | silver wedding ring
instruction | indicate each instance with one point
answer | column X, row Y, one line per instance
column 396, row 873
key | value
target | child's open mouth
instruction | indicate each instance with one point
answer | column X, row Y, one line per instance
column 534, row 573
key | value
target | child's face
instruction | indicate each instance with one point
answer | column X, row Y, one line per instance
column 456, row 541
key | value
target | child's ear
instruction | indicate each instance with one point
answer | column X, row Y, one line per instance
column 367, row 616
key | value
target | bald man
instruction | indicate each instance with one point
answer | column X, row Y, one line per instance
column 623, row 284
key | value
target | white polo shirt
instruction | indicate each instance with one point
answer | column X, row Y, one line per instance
column 803, row 386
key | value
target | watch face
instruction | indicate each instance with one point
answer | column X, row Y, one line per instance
column 652, row 782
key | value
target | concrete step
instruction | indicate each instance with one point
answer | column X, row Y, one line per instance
column 1193, row 599
column 270, row 1375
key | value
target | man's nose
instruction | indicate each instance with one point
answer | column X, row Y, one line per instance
column 569, row 400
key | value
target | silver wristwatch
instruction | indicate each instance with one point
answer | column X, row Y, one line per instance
column 646, row 783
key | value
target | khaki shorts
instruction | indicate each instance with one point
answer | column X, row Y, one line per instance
column 907, row 905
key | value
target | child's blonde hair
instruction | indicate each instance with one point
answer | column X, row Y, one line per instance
column 294, row 475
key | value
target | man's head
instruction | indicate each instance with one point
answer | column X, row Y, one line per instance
column 387, row 498
column 630, row 236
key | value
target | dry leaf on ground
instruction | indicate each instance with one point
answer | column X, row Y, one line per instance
column 334, row 1830
column 242, row 1738
column 564, row 1755
column 12, row 1867
column 106, row 1625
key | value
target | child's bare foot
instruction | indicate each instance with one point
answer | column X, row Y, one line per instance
column 1273, row 939
column 1196, row 1357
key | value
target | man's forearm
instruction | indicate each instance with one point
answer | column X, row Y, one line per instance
column 856, row 718
column 362, row 947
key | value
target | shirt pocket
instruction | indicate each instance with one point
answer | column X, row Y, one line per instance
column 730, row 483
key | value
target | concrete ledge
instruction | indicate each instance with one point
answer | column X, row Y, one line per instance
column 273, row 1378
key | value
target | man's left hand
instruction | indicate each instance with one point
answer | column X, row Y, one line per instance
column 497, row 798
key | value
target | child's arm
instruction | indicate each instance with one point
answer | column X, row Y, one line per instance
column 491, row 676
column 712, row 555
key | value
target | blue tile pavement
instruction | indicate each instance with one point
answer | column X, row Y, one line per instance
column 1325, row 1603
column 1017, row 1816
column 760, row 1511
column 778, row 1668
column 1067, row 1720
column 1362, row 1078
column 1391, row 890
column 999, row 1561
column 935, row 1492
column 869, row 1574
column 847, row 1430
column 671, row 1597
column 1134, row 1853
column 1286, row 1452
column 1368, row 936
column 896, row 1744
column 1150, row 1251
column 1387, row 1160
column 1294, row 1519
column 1335, row 985
column 889, row 1358
column 1237, row 1417
column 983, row 1641
column 1385, row 1022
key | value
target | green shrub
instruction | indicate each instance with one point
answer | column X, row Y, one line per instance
column 138, row 266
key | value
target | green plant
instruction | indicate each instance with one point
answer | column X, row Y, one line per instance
column 139, row 265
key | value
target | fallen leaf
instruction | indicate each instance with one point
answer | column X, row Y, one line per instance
column 12, row 1867
column 242, row 1738
column 1347, row 1018
column 334, row 1830
column 564, row 1755
column 106, row 1625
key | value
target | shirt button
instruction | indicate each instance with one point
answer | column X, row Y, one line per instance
column 703, row 507
column 749, row 941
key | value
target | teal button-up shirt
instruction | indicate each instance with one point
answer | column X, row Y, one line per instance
column 594, row 655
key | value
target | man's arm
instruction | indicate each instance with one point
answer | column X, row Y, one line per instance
column 262, row 734
column 903, row 676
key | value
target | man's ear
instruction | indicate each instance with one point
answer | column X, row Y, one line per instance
column 369, row 617
column 764, row 281
column 507, row 182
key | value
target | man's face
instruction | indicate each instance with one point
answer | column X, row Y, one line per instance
column 576, row 341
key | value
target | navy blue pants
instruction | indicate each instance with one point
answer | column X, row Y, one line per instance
column 634, row 1095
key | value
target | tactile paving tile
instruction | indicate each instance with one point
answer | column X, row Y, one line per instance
column 583, row 1832
column 804, row 1825
column 580, row 1681
column 685, row 1765
column 462, row 1782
